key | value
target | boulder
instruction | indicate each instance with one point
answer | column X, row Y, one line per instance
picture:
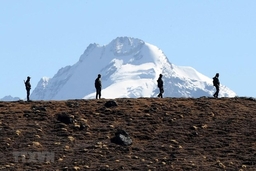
column 38, row 108
column 110, row 103
column 65, row 118
column 122, row 138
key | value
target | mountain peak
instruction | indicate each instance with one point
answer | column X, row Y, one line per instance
column 129, row 68
column 125, row 45
column 130, row 41
column 9, row 98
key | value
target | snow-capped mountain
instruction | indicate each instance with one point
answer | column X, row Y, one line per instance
column 129, row 68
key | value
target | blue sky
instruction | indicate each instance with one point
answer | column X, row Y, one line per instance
column 38, row 37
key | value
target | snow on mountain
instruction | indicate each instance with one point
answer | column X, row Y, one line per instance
column 39, row 91
column 129, row 68
column 9, row 98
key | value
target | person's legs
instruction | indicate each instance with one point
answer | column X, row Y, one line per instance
column 28, row 93
column 99, row 92
column 161, row 91
column 217, row 91
column 159, row 95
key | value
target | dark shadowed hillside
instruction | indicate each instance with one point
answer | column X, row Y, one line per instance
column 167, row 134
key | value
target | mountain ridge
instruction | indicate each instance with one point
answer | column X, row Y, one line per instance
column 9, row 98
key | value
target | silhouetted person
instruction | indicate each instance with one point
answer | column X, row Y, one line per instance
column 160, row 85
column 216, row 84
column 98, row 86
column 28, row 87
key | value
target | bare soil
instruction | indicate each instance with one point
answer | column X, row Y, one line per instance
column 168, row 134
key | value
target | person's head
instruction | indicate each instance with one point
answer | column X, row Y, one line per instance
column 217, row 75
column 28, row 77
column 160, row 75
column 99, row 75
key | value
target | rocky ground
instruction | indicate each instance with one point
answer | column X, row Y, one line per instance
column 167, row 134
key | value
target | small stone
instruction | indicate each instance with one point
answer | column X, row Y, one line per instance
column 174, row 141
column 71, row 138
column 38, row 136
column 76, row 168
column 84, row 120
column 18, row 132
column 64, row 129
column 194, row 127
column 129, row 156
column 204, row 126
column 40, row 130
column 77, row 125
column 135, row 157
column 87, row 133
column 222, row 165
column 36, row 144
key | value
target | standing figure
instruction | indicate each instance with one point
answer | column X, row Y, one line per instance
column 28, row 87
column 160, row 85
column 216, row 84
column 98, row 86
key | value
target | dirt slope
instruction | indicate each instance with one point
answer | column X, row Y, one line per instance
column 167, row 134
